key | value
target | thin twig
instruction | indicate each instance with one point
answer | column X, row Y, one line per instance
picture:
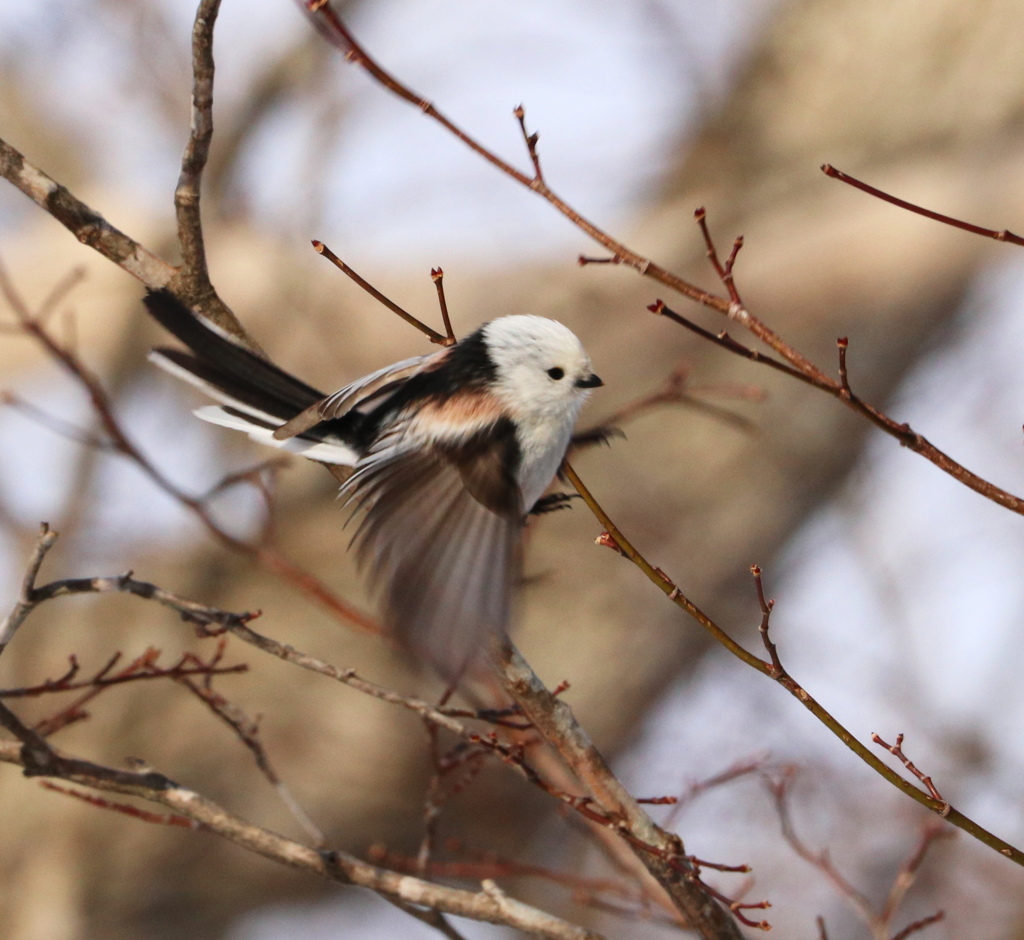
column 907, row 874
column 58, row 426
column 903, row 433
column 142, row 669
column 437, row 275
column 26, row 598
column 845, row 391
column 878, row 921
column 822, row 860
column 427, row 331
column 332, row 27
column 476, row 866
column 32, row 596
column 919, row 925
column 724, row 271
column 531, row 144
column 675, row 390
column 1004, row 235
column 741, row 768
column 158, row 819
column 897, row 751
column 247, row 731
column 777, row 671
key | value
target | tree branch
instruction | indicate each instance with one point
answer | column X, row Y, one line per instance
column 490, row 904
column 615, row 539
column 193, row 161
column 87, row 225
column 662, row 853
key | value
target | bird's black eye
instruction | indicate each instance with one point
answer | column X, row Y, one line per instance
column 556, row 373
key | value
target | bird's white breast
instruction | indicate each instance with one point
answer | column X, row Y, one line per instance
column 543, row 441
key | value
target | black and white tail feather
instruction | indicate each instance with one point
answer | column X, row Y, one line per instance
column 449, row 452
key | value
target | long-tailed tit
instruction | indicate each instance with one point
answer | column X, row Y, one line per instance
column 450, row 451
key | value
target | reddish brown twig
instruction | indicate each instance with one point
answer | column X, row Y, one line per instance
column 904, row 433
column 427, row 331
column 897, row 751
column 696, row 789
column 246, row 730
column 454, row 770
column 158, row 819
column 919, row 925
column 675, row 390
column 1004, row 235
column 907, row 874
column 142, row 669
column 777, row 672
column 531, row 144
column 878, row 922
column 437, row 276
column 475, row 866
column 845, row 391
column 724, row 271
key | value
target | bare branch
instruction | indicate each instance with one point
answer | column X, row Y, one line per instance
column 26, row 599
column 437, row 275
column 662, row 853
column 197, row 150
column 489, row 904
column 531, row 144
column 907, row 874
column 919, row 925
column 157, row 819
column 724, row 271
column 331, row 26
column 879, row 921
column 613, row 538
column 427, row 331
column 904, row 433
column 87, row 225
column 1004, row 235
column 897, row 751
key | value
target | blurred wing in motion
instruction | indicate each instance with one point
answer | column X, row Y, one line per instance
column 439, row 541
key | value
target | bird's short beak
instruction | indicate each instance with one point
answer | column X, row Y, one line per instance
column 589, row 381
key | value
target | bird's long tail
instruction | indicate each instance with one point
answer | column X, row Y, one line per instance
column 255, row 395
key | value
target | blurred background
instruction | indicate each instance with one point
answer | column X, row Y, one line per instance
column 899, row 597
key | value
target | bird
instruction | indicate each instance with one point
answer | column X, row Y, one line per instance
column 449, row 453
